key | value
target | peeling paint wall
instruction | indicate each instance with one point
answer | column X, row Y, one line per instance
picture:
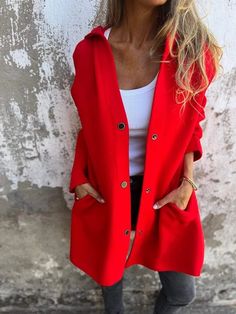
column 216, row 173
column 37, row 119
column 38, row 125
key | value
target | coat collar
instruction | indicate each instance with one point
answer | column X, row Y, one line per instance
column 99, row 30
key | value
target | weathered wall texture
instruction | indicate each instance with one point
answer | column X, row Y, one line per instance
column 38, row 124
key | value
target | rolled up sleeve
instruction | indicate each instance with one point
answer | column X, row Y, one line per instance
column 79, row 169
column 195, row 145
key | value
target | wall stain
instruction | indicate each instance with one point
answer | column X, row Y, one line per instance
column 34, row 109
column 212, row 223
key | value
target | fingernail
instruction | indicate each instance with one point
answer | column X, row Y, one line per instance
column 155, row 206
column 102, row 200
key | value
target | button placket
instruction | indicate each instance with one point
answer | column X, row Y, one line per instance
column 121, row 126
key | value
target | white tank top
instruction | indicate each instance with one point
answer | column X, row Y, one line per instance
column 137, row 104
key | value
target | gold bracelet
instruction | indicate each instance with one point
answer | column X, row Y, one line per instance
column 190, row 181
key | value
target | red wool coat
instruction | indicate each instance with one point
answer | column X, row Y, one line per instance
column 166, row 239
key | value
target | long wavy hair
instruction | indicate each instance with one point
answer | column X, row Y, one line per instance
column 188, row 36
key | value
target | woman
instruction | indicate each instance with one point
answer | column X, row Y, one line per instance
column 139, row 89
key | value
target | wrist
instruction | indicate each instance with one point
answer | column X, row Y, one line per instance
column 188, row 180
column 186, row 184
column 188, row 175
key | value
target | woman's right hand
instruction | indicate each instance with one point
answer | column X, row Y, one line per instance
column 86, row 188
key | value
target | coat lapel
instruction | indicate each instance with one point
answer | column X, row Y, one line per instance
column 116, row 99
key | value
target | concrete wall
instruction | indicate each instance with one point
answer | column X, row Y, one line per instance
column 38, row 124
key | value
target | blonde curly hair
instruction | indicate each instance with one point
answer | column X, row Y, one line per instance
column 191, row 43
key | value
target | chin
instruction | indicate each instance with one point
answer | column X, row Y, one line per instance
column 154, row 2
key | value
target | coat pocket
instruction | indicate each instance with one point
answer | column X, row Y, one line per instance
column 84, row 204
column 90, row 216
column 82, row 198
column 187, row 214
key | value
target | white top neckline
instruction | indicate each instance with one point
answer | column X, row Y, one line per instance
column 138, row 90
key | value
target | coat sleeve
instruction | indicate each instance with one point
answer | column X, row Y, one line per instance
column 195, row 145
column 79, row 169
column 195, row 142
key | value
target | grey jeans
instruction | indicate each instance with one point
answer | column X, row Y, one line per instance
column 178, row 289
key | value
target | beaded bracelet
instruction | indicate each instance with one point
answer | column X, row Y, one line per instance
column 190, row 181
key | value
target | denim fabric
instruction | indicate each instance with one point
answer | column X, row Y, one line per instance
column 113, row 298
column 136, row 189
column 178, row 289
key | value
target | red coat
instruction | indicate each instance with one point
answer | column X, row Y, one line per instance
column 166, row 239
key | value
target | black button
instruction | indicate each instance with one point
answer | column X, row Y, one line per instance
column 121, row 125
column 126, row 231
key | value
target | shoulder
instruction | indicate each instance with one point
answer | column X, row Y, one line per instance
column 209, row 63
column 85, row 45
column 80, row 48
column 204, row 71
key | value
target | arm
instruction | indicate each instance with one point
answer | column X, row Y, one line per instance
column 195, row 143
column 188, row 165
column 79, row 168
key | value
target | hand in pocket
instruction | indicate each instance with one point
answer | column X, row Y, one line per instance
column 86, row 188
column 179, row 196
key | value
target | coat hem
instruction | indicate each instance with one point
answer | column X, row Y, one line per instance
column 91, row 275
column 165, row 268
column 149, row 266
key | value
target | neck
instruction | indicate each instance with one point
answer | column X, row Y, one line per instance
column 139, row 23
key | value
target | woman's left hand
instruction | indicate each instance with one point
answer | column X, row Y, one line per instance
column 179, row 196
